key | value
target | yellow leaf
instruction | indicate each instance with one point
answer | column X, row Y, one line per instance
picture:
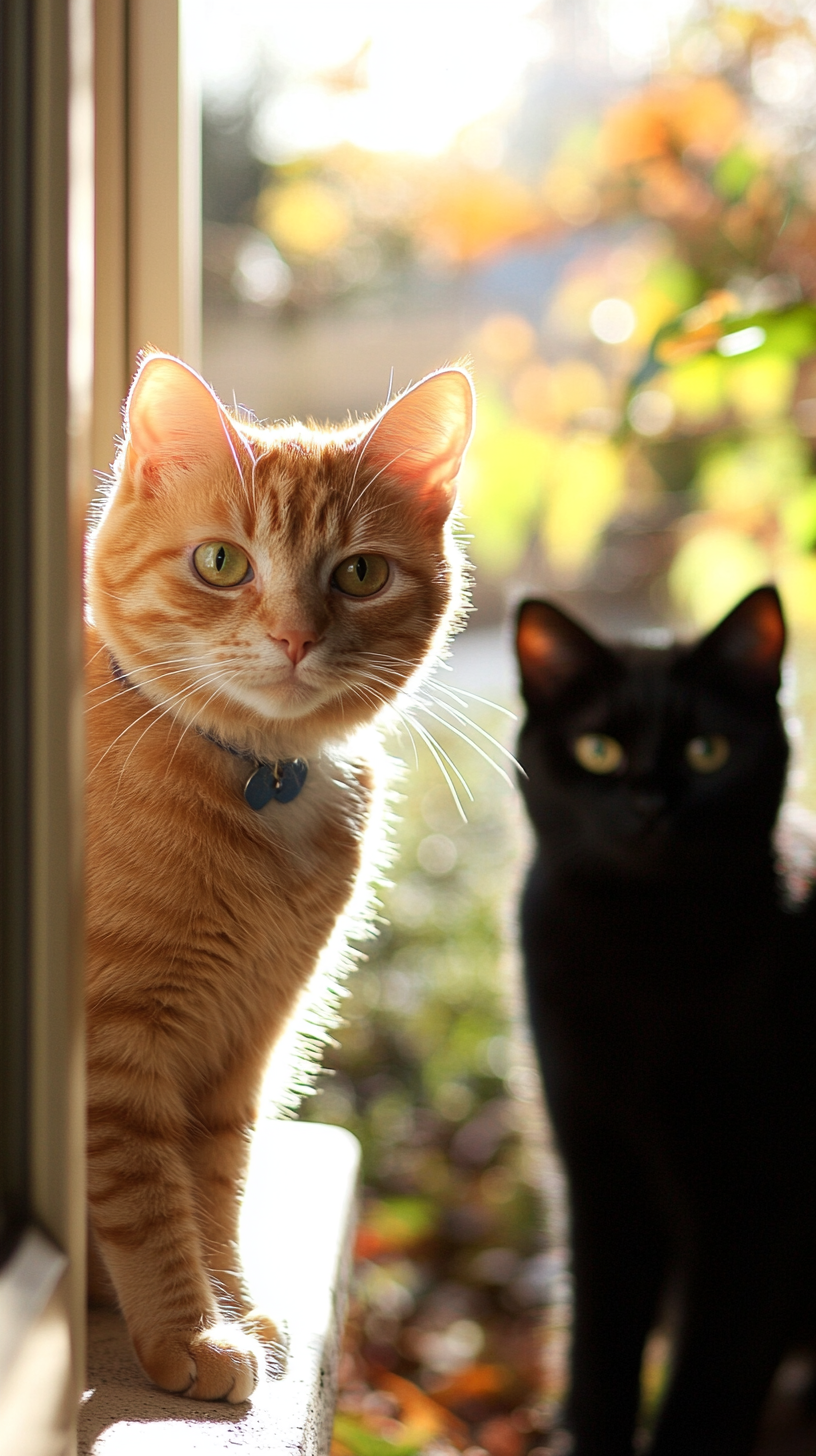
column 304, row 217
column 587, row 488
column 797, row 583
column 713, row 570
column 759, row 472
column 760, row 388
column 502, row 487
column 696, row 387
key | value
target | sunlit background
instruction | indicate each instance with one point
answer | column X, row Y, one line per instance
column 610, row 209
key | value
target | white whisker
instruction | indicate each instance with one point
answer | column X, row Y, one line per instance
column 161, row 709
column 380, row 472
column 403, row 722
column 367, row 441
column 206, row 705
column 423, row 707
column 129, row 687
column 431, row 743
column 370, row 695
column 419, row 705
column 228, row 438
column 477, row 728
column 149, row 666
column 202, row 683
column 99, row 649
column 393, row 687
column 474, row 697
column 387, row 657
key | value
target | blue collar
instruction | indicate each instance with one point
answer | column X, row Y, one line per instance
column 282, row 779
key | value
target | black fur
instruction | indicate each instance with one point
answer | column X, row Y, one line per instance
column 673, row 1005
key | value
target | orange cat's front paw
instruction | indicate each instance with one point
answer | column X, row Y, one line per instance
column 227, row 1364
column 259, row 1324
column 221, row 1363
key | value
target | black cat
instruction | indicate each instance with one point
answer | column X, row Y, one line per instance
column 673, row 1003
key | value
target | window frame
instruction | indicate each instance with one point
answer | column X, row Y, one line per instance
column 45, row 396
column 61, row 67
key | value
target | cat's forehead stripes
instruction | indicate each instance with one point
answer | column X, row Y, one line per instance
column 314, row 500
column 297, row 494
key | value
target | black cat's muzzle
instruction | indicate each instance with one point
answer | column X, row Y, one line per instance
column 649, row 806
column 644, row 818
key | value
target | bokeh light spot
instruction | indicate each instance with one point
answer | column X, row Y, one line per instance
column 651, row 412
column 613, row 321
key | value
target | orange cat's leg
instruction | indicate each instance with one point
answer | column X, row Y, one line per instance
column 141, row 1198
column 218, row 1159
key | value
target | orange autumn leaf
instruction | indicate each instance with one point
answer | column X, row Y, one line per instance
column 369, row 1244
column 634, row 131
column 475, row 1382
column 478, row 213
column 390, row 1225
column 706, row 116
column 687, row 346
column 420, row 1412
column 669, row 190
column 702, row 115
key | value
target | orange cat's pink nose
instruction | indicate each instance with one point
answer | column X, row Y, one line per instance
column 294, row 643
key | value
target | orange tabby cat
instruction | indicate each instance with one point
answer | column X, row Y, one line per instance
column 255, row 595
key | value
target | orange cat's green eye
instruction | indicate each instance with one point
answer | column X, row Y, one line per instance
column 598, row 753
column 221, row 564
column 707, row 753
column 361, row 576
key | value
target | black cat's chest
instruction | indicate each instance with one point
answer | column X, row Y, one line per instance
column 651, row 986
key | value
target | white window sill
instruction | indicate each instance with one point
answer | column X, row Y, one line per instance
column 297, row 1233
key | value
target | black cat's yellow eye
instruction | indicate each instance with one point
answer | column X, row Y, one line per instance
column 361, row 576
column 598, row 753
column 221, row 564
column 707, row 753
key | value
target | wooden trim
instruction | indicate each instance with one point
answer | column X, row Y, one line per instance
column 15, row 354
column 148, row 200
column 147, row 293
column 164, row 191
column 111, row 354
column 59, row 385
column 39, row 1393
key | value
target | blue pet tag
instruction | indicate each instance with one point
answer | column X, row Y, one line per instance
column 283, row 782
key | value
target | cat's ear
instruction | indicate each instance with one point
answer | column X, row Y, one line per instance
column 747, row 646
column 172, row 421
column 555, row 654
column 421, row 439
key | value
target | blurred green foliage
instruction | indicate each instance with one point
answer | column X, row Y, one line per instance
column 682, row 329
column 688, row 340
column 430, row 1073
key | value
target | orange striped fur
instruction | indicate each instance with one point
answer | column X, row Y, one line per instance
column 206, row 919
